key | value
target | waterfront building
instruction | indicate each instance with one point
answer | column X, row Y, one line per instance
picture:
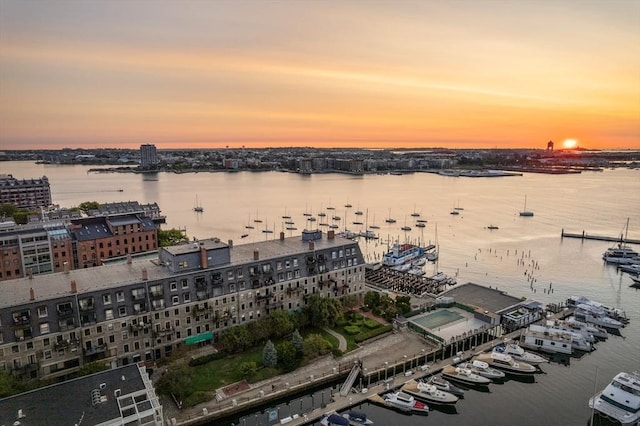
column 122, row 396
column 143, row 309
column 58, row 246
column 148, row 156
column 25, row 193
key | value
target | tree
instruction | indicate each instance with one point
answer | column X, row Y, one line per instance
column 86, row 206
column 372, row 299
column 176, row 381
column 236, row 339
column 297, row 341
column 287, row 355
column 323, row 311
column 315, row 345
column 7, row 210
column 92, row 367
column 260, row 329
column 247, row 369
column 269, row 355
column 403, row 304
column 171, row 237
column 282, row 323
column 350, row 301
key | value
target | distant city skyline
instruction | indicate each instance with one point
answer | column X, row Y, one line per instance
column 383, row 74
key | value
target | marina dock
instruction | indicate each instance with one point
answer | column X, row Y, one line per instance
column 585, row 236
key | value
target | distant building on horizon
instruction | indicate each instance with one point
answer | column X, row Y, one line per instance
column 148, row 156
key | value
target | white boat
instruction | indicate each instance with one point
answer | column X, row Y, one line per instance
column 610, row 311
column 633, row 268
column 464, row 375
column 519, row 354
column 483, row 369
column 506, row 363
column 621, row 254
column 400, row 254
column 553, row 343
column 357, row 418
column 591, row 314
column 574, row 327
column 405, row 267
column 598, row 332
column 445, row 385
column 525, row 212
column 419, row 262
column 416, row 270
column 405, row 402
column 428, row 393
column 620, row 399
column 578, row 341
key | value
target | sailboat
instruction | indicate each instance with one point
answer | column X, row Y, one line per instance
column 249, row 225
column 415, row 212
column 525, row 212
column 621, row 254
column 455, row 210
column 433, row 255
column 406, row 227
column 373, row 225
column 390, row 219
column 198, row 207
column 256, row 220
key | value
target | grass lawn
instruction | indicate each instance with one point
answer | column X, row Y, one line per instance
column 354, row 321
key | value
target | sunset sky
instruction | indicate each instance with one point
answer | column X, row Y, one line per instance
column 324, row 73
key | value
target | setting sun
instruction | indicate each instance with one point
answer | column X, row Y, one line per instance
column 570, row 143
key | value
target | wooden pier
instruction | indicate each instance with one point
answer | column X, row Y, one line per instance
column 585, row 236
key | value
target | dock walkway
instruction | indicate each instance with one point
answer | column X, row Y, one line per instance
column 585, row 236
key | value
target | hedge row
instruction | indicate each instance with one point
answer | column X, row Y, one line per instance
column 201, row 360
column 372, row 333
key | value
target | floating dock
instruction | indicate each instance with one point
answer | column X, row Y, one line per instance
column 585, row 236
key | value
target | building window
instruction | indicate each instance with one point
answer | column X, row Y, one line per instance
column 185, row 284
column 173, row 285
column 106, row 299
column 44, row 328
column 122, row 311
column 278, row 265
column 239, row 273
column 230, row 275
column 47, row 354
column 120, row 296
column 108, row 314
column 186, row 297
column 295, row 262
column 175, row 300
column 42, row 312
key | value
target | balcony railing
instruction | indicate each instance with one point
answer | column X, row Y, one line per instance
column 94, row 350
column 65, row 313
column 20, row 320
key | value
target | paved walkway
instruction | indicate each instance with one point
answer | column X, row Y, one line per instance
column 342, row 342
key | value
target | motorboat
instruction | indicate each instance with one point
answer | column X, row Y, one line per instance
column 506, row 363
column 334, row 419
column 357, row 418
column 610, row 311
column 428, row 393
column 578, row 340
column 598, row 332
column 405, row 402
column 416, row 270
column 620, row 399
column 573, row 327
column 633, row 268
column 591, row 314
column 519, row 354
column 483, row 369
column 464, row 375
column 445, row 385
column 405, row 267
column 419, row 262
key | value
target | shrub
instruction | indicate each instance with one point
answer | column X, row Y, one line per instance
column 336, row 352
column 369, row 323
column 372, row 333
column 205, row 359
column 352, row 329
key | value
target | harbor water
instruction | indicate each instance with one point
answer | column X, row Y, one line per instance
column 524, row 256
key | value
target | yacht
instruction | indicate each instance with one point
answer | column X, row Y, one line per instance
column 593, row 315
column 483, row 369
column 357, row 418
column 519, row 354
column 620, row 399
column 598, row 332
column 610, row 311
column 445, row 385
column 506, row 363
column 553, row 343
column 402, row 253
column 428, row 393
column 416, row 270
column 405, row 402
column 464, row 375
column 334, row 419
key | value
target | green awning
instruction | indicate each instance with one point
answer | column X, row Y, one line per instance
column 199, row 338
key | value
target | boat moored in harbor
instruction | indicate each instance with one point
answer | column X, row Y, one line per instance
column 445, row 385
column 428, row 393
column 464, row 375
column 483, row 369
column 506, row 363
column 620, row 399
column 405, row 402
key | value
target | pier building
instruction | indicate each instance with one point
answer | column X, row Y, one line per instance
column 143, row 309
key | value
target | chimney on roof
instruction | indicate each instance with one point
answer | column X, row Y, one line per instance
column 32, row 294
column 256, row 255
column 128, row 258
column 74, row 287
column 145, row 275
column 204, row 264
column 230, row 243
column 281, row 235
column 331, row 234
column 312, row 246
column 66, row 267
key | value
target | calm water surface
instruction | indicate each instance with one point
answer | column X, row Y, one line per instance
column 524, row 257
